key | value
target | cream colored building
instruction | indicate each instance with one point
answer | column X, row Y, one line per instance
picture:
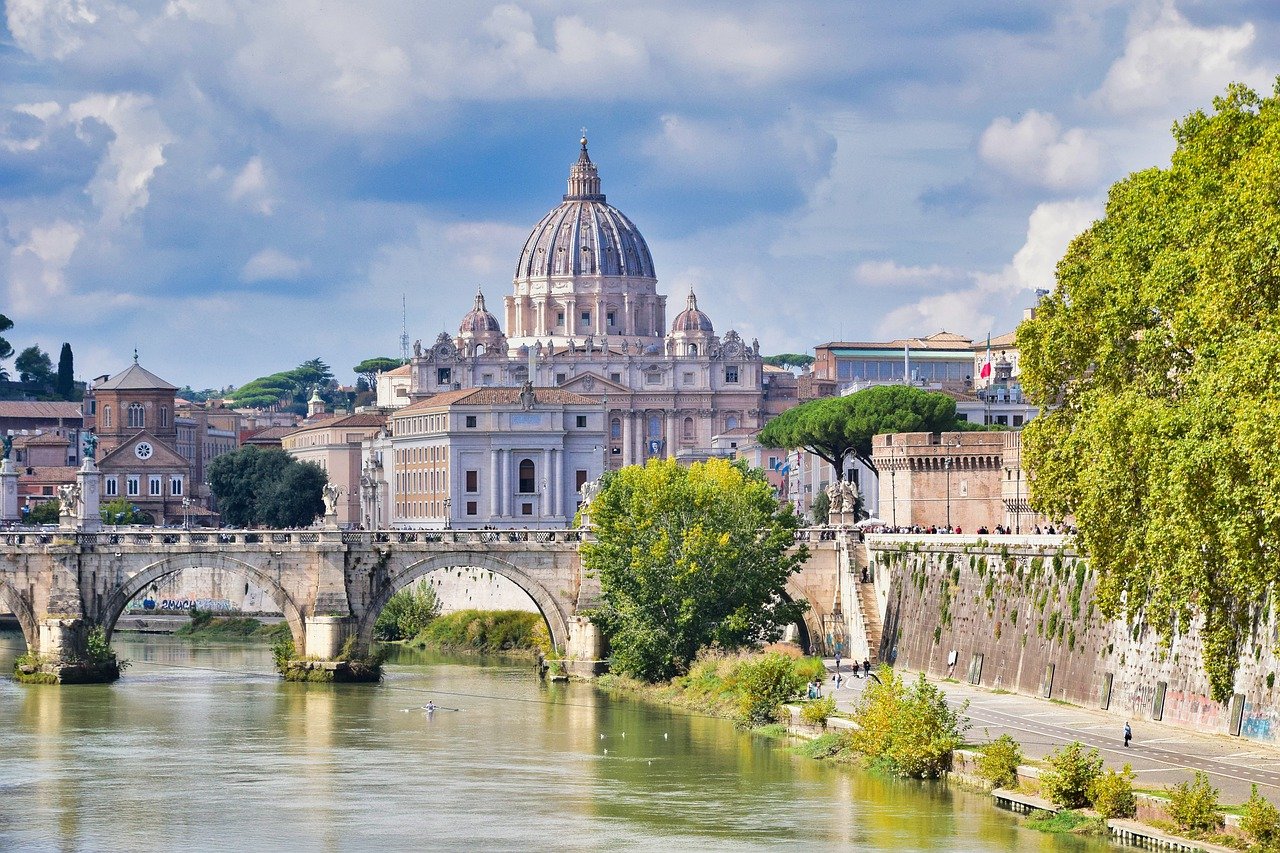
column 585, row 315
column 334, row 443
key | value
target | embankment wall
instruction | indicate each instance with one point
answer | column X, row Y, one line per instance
column 1017, row 613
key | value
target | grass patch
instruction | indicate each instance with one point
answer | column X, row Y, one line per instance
column 773, row 731
column 1066, row 821
column 487, row 631
column 234, row 628
column 832, row 745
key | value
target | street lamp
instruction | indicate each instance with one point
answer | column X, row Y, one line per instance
column 447, row 518
column 186, row 513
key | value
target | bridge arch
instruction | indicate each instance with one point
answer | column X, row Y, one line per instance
column 20, row 607
column 550, row 608
column 810, row 624
column 119, row 600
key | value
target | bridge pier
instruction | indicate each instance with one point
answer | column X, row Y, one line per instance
column 333, row 652
column 584, row 650
column 63, row 654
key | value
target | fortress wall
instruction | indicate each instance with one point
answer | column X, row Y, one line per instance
column 1017, row 613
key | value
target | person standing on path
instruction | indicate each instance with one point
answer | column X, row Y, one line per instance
column 1128, row 734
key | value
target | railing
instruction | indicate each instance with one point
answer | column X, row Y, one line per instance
column 235, row 539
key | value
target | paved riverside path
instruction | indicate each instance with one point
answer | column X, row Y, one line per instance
column 1161, row 754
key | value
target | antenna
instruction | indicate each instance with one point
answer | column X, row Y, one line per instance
column 404, row 329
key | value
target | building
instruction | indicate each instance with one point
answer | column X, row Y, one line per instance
column 24, row 420
column 204, row 435
column 486, row 457
column 393, row 387
column 586, row 316
column 133, row 416
column 333, row 442
column 942, row 360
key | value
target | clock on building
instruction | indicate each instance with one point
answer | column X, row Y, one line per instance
column 143, row 450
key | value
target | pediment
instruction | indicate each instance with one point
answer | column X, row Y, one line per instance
column 593, row 383
column 126, row 455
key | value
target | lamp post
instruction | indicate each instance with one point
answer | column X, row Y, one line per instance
column 447, row 518
column 947, row 463
column 186, row 513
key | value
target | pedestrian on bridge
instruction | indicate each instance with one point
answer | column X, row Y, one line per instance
column 1128, row 734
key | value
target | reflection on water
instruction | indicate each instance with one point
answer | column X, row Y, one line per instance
column 201, row 747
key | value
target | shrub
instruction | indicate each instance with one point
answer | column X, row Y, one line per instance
column 407, row 613
column 1194, row 805
column 199, row 619
column 910, row 730
column 1071, row 775
column 763, row 684
column 1260, row 820
column 282, row 651
column 1113, row 794
column 998, row 763
column 830, row 745
column 488, row 631
column 816, row 711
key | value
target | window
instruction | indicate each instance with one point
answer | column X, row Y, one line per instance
column 154, row 486
column 731, row 373
column 582, row 421
column 693, row 349
column 688, row 428
column 136, row 417
column 526, row 509
column 93, row 407
column 688, row 377
column 164, row 416
column 473, row 481
column 1017, row 420
column 730, row 423
column 579, row 480
column 560, row 377
column 175, row 486
column 653, row 378
column 609, row 318
column 615, row 377
column 526, row 477
column 559, row 318
column 444, row 375
column 655, row 426
column 106, row 416
column 586, row 318
column 471, row 421
column 486, row 379
column 615, row 428
column 111, row 487
column 471, row 507
column 133, row 485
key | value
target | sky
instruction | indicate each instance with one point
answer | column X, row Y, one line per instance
column 234, row 187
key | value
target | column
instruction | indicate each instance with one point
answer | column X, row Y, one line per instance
column 561, row 505
column 540, row 317
column 671, row 434
column 506, row 484
column 8, row 491
column 495, row 480
column 571, row 317
column 602, row 328
column 89, row 483
column 628, row 442
column 628, row 322
column 544, row 472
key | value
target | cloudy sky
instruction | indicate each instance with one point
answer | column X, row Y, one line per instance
column 235, row 186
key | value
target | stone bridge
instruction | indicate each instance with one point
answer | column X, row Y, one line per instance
column 332, row 584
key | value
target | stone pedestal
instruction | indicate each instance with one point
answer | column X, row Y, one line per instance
column 325, row 636
column 9, row 510
column 331, row 520
column 584, row 649
column 89, row 479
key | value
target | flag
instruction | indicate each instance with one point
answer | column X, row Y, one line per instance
column 986, row 366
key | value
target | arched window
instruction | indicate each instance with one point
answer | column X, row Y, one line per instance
column 106, row 416
column 136, row 418
column 693, row 349
column 527, row 477
column 164, row 416
column 688, row 427
column 730, row 423
column 655, row 426
column 615, row 428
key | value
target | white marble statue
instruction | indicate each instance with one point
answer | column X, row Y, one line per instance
column 331, row 494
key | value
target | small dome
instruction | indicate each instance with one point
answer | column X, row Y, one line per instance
column 691, row 319
column 478, row 320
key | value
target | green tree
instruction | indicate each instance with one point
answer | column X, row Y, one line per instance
column 6, row 348
column 1194, row 805
column 821, row 507
column 1260, row 820
column 764, row 684
column 369, row 369
column 45, row 512
column 835, row 428
column 289, row 388
column 267, row 488
column 689, row 557
column 1158, row 359
column 33, row 365
column 908, row 730
column 120, row 511
column 1071, row 776
column 406, row 613
column 788, row 359
column 65, row 385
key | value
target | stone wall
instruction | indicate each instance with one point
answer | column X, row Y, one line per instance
column 1017, row 613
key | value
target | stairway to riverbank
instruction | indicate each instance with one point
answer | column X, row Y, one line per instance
column 870, row 609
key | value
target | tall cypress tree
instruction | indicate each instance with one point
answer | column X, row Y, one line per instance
column 65, row 386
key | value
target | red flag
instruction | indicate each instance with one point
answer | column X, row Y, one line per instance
column 986, row 368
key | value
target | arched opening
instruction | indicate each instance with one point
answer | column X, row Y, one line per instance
column 106, row 417
column 553, row 613
column 693, row 349
column 153, row 575
column 688, row 428
column 615, row 428
column 528, row 477
column 17, row 605
column 137, row 420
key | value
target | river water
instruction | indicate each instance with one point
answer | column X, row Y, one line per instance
column 202, row 747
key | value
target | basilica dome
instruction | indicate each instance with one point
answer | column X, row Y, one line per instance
column 691, row 319
column 584, row 235
column 478, row 320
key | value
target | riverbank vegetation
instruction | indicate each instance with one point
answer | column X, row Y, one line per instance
column 486, row 631
column 205, row 626
column 406, row 613
column 689, row 558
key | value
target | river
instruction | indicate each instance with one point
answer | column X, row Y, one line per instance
column 202, row 747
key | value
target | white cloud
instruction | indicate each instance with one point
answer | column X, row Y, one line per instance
column 892, row 274
column 251, row 185
column 38, row 262
column 1169, row 62
column 734, row 154
column 272, row 265
column 1035, row 150
column 49, row 28
column 963, row 312
column 119, row 188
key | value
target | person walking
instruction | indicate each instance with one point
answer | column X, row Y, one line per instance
column 1128, row 734
column 866, row 668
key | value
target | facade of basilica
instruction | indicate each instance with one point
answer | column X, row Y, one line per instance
column 585, row 316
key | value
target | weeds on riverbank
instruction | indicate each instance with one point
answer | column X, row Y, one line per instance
column 1067, row 821
column 231, row 628
column 488, row 631
column 407, row 613
column 907, row 730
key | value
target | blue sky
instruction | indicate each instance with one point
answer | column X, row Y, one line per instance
column 234, row 187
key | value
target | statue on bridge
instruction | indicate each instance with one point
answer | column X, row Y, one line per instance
column 90, row 445
column 835, row 500
column 331, row 493
column 69, row 496
column 6, row 447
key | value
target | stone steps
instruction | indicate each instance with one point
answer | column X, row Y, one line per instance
column 870, row 608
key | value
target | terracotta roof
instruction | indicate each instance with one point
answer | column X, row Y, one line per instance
column 999, row 342
column 491, row 395
column 48, row 474
column 269, row 434
column 361, row 419
column 48, row 438
column 135, row 377
column 402, row 370
column 33, row 409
